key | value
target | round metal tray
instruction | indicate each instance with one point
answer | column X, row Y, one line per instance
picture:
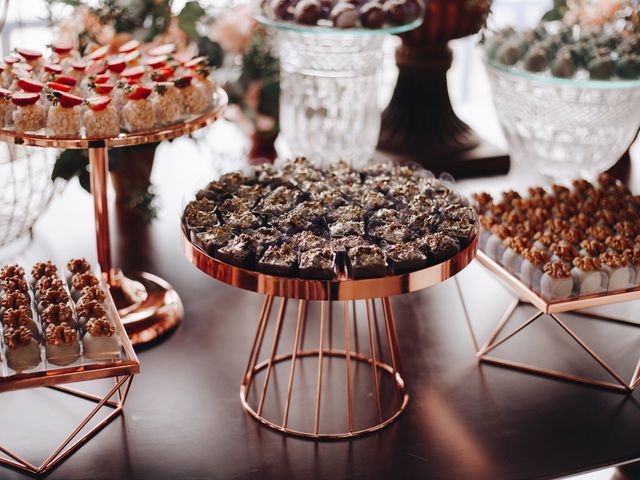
column 167, row 132
column 339, row 289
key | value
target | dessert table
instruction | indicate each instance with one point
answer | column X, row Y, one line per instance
column 184, row 419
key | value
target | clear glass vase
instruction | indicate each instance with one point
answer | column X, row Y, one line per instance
column 565, row 128
column 329, row 94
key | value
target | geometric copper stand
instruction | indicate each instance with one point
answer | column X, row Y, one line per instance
column 341, row 376
column 552, row 310
column 149, row 306
column 66, row 447
column 364, row 400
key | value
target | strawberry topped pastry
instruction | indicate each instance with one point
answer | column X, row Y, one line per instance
column 138, row 113
column 32, row 57
column 103, row 90
column 167, row 102
column 193, row 99
column 63, row 117
column 101, row 118
column 5, row 106
column 29, row 114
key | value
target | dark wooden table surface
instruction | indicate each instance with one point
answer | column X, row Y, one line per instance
column 184, row 419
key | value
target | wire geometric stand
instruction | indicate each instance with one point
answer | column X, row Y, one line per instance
column 120, row 390
column 149, row 306
column 552, row 310
column 121, row 369
column 342, row 376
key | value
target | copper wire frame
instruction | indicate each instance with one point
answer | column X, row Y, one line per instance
column 526, row 296
column 121, row 370
column 383, row 350
column 153, row 306
column 76, row 439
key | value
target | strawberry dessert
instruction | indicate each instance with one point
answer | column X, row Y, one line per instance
column 63, row 118
column 138, row 113
column 101, row 118
column 29, row 114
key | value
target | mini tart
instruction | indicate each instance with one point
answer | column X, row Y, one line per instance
column 556, row 282
column 62, row 344
column 21, row 349
column 101, row 340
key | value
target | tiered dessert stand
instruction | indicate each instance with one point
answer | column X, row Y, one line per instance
column 120, row 369
column 365, row 394
column 552, row 309
column 148, row 305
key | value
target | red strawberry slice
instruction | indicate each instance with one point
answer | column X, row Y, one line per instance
column 157, row 62
column 96, row 68
column 98, row 79
column 79, row 66
column 195, row 62
column 183, row 81
column 103, row 88
column 116, row 65
column 59, row 87
column 162, row 74
column 99, row 53
column 164, row 49
column 29, row 54
column 52, row 68
column 133, row 72
column 98, row 103
column 66, row 80
column 10, row 60
column 132, row 56
column 61, row 49
column 67, row 100
column 30, row 85
column 139, row 92
column 130, row 46
column 23, row 99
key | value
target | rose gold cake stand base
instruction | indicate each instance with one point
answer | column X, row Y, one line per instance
column 75, row 440
column 544, row 308
column 368, row 368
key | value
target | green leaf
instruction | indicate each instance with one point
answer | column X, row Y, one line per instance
column 189, row 16
column 212, row 50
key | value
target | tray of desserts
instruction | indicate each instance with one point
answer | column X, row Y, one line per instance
column 302, row 232
column 134, row 94
column 564, row 248
column 59, row 327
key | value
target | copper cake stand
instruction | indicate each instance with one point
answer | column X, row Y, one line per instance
column 552, row 309
column 375, row 393
column 121, row 370
column 151, row 307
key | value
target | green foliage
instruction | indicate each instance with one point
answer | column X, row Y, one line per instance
column 557, row 12
column 188, row 18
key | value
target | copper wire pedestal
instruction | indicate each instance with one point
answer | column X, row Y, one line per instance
column 553, row 309
column 342, row 374
column 121, row 370
column 149, row 306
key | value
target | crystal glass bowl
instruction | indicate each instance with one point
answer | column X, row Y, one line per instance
column 329, row 89
column 565, row 128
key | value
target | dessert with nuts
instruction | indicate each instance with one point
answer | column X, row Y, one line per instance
column 21, row 348
column 101, row 340
column 589, row 229
column 62, row 344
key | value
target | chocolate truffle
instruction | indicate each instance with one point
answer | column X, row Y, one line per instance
column 344, row 15
column 308, row 12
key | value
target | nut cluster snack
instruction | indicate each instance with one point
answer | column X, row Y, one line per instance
column 323, row 224
column 46, row 324
column 565, row 242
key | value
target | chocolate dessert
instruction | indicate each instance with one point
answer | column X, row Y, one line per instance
column 367, row 262
column 279, row 260
column 317, row 263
